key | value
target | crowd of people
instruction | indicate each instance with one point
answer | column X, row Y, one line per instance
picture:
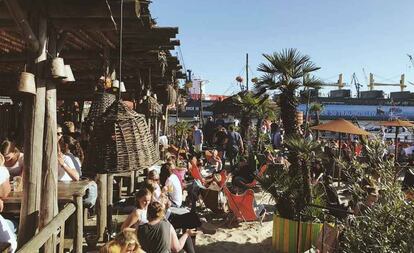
column 70, row 159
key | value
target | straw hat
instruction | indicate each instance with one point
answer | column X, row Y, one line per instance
column 1, row 160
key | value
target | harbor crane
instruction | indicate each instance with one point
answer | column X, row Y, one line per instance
column 340, row 84
column 372, row 83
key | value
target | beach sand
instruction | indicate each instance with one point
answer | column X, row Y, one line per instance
column 244, row 237
column 248, row 237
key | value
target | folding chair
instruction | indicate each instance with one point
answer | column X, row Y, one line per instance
column 242, row 206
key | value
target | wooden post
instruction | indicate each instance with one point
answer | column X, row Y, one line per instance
column 110, row 195
column 34, row 118
column 78, row 225
column 166, row 120
column 34, row 114
column 101, row 204
column 49, row 207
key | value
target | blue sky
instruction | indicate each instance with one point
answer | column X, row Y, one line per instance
column 340, row 36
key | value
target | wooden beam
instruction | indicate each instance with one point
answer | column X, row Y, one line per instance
column 21, row 20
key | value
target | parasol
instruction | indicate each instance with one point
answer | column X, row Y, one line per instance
column 397, row 124
column 340, row 126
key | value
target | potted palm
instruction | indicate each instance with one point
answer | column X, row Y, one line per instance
column 291, row 187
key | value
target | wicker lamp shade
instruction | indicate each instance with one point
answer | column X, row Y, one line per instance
column 150, row 107
column 120, row 142
column 171, row 96
column 101, row 101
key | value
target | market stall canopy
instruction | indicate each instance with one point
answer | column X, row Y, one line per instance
column 396, row 123
column 340, row 126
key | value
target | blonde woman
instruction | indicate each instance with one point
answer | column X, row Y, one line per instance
column 125, row 242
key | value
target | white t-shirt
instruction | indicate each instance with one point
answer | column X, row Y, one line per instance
column 62, row 174
column 176, row 196
column 4, row 174
column 7, row 235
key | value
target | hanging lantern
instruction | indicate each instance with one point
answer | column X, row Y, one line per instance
column 122, row 88
column 58, row 68
column 239, row 79
column 69, row 74
column 115, row 84
column 27, row 83
column 171, row 97
column 120, row 142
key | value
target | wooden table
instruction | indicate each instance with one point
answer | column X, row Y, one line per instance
column 67, row 192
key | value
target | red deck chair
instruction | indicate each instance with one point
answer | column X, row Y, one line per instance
column 242, row 205
column 210, row 197
column 260, row 174
column 196, row 174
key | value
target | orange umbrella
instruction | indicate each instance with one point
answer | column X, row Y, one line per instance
column 397, row 124
column 340, row 126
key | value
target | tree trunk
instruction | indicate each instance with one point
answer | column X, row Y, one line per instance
column 288, row 106
column 317, row 123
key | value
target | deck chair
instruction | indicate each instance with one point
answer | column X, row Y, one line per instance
column 210, row 197
column 242, row 206
column 260, row 174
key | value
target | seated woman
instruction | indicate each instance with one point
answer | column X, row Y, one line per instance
column 139, row 215
column 244, row 174
column 125, row 242
column 171, row 185
column 70, row 167
column 158, row 235
column 13, row 158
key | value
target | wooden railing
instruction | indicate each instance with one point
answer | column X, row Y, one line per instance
column 57, row 224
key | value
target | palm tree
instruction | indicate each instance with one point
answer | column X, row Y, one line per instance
column 286, row 72
column 250, row 106
column 317, row 109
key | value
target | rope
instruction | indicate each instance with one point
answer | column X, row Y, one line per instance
column 112, row 16
column 120, row 48
column 182, row 58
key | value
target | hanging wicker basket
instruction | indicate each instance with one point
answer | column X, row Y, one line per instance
column 120, row 142
column 150, row 107
column 101, row 101
column 171, row 95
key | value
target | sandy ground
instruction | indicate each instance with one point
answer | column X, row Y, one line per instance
column 247, row 237
column 244, row 237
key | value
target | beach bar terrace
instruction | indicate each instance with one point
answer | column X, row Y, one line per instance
column 34, row 36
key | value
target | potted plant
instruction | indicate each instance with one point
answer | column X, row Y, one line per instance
column 293, row 191
column 291, row 188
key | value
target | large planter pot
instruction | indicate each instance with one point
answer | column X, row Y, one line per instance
column 285, row 235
